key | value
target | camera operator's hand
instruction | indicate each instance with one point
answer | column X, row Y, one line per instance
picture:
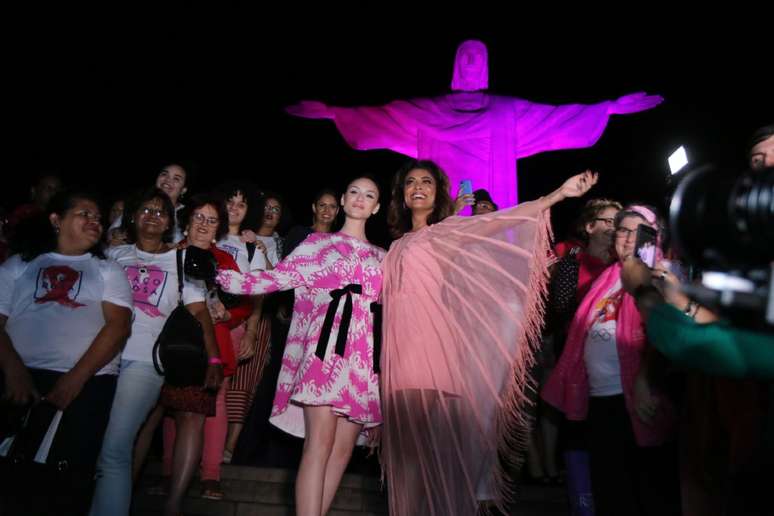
column 668, row 285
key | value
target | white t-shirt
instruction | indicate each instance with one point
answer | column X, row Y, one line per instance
column 176, row 237
column 234, row 246
column 153, row 282
column 271, row 247
column 600, row 353
column 54, row 307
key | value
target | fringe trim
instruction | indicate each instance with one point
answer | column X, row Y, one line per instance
column 513, row 424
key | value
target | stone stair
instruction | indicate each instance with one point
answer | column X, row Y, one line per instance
column 254, row 491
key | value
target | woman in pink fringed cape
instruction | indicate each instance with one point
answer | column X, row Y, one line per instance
column 462, row 311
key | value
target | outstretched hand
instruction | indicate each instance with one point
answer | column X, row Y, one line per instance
column 310, row 109
column 578, row 184
column 634, row 103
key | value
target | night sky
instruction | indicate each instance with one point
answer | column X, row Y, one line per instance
column 107, row 102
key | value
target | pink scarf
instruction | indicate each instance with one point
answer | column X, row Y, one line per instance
column 568, row 386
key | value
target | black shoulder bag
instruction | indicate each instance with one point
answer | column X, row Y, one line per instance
column 180, row 347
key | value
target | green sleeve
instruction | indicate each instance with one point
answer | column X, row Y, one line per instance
column 715, row 348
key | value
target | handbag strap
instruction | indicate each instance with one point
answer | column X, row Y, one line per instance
column 179, row 256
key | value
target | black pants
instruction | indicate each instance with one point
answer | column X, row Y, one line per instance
column 627, row 479
column 65, row 483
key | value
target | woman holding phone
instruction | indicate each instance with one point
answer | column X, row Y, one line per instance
column 605, row 376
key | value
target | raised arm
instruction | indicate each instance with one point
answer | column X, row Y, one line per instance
column 576, row 186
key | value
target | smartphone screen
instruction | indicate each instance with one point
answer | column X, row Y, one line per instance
column 466, row 187
column 645, row 246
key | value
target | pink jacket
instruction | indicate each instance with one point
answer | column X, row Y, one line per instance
column 568, row 386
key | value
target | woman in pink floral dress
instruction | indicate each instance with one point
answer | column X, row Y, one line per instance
column 328, row 391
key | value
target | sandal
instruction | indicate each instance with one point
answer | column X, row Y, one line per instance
column 211, row 490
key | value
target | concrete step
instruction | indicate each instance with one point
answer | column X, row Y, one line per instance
column 267, row 491
column 253, row 491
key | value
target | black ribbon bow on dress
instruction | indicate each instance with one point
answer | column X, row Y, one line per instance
column 376, row 309
column 346, row 317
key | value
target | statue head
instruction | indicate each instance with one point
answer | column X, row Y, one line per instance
column 471, row 68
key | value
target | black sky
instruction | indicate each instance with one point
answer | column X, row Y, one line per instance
column 106, row 101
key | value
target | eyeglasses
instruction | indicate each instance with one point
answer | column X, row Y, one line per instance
column 89, row 215
column 201, row 218
column 624, row 232
column 757, row 161
column 153, row 211
column 271, row 209
column 607, row 220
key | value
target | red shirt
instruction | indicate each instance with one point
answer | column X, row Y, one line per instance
column 590, row 269
column 238, row 315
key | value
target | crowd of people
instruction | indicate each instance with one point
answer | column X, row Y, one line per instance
column 432, row 350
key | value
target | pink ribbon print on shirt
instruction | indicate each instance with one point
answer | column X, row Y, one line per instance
column 59, row 284
column 148, row 283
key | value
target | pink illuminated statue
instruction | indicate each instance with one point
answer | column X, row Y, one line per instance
column 470, row 133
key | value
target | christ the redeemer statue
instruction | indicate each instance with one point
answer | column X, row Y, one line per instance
column 470, row 133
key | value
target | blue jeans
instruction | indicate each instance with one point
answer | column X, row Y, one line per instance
column 136, row 394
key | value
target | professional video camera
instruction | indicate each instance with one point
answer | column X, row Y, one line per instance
column 723, row 223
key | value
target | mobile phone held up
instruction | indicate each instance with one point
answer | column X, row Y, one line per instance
column 645, row 245
column 466, row 187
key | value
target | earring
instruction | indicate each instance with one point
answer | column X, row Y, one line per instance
column 185, row 233
column 214, row 241
column 56, row 229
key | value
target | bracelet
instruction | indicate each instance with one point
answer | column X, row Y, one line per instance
column 215, row 361
column 691, row 309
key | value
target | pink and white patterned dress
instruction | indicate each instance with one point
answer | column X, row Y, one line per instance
column 337, row 276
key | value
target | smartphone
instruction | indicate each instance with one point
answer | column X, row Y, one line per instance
column 645, row 246
column 466, row 187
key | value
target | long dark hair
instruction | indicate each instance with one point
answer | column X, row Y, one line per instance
column 133, row 204
column 254, row 213
column 36, row 235
column 398, row 214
